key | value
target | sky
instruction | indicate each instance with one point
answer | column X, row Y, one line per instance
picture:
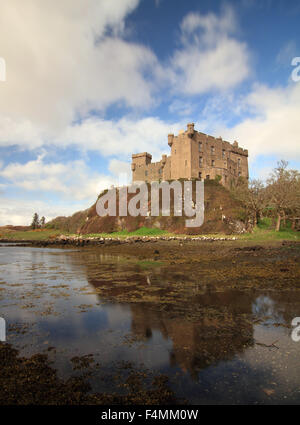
column 86, row 83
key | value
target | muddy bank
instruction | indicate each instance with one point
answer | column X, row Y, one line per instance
column 217, row 266
column 218, row 263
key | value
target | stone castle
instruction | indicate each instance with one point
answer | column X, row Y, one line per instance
column 194, row 155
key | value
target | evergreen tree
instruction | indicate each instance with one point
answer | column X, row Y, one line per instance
column 35, row 221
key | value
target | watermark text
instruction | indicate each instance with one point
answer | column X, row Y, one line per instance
column 185, row 199
column 296, row 72
column 2, row 330
column 296, row 331
column 2, row 69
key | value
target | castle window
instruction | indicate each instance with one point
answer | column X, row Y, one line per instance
column 200, row 161
column 212, row 150
column 239, row 162
column 240, row 174
column 223, row 153
column 200, row 146
column 160, row 171
column 207, row 177
column 200, row 176
column 213, row 163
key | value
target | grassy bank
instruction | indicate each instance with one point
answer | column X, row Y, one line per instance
column 261, row 233
column 143, row 231
column 264, row 232
column 32, row 235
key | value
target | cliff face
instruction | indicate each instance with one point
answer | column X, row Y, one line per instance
column 222, row 215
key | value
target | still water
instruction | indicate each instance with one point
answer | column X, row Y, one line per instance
column 216, row 346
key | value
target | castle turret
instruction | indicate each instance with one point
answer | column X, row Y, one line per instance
column 170, row 139
column 191, row 129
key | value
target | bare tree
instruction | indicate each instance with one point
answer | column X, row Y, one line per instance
column 253, row 196
column 283, row 190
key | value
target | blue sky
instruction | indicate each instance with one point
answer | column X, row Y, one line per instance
column 89, row 82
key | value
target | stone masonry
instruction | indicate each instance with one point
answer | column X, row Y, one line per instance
column 194, row 155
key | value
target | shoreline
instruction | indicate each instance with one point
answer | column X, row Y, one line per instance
column 95, row 241
column 65, row 241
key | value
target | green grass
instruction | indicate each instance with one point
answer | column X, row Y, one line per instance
column 30, row 235
column 148, row 264
column 143, row 231
column 263, row 233
column 265, row 224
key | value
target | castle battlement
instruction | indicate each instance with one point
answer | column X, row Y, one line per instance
column 194, row 155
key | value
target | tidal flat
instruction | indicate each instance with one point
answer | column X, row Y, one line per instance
column 163, row 322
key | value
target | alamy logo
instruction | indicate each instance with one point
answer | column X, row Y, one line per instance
column 296, row 332
column 138, row 205
column 2, row 69
column 2, row 330
column 296, row 72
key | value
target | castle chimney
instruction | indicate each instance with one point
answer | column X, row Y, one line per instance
column 170, row 139
column 191, row 129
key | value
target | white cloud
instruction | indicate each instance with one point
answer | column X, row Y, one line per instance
column 64, row 59
column 71, row 180
column 20, row 212
column 62, row 74
column 274, row 126
column 122, row 170
column 119, row 138
column 210, row 57
column 287, row 53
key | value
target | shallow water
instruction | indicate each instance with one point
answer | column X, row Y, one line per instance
column 215, row 345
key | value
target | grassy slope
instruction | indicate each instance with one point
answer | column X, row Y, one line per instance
column 218, row 202
column 29, row 235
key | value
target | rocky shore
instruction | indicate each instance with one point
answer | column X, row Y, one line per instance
column 94, row 241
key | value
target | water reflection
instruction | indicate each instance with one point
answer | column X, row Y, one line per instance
column 81, row 302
